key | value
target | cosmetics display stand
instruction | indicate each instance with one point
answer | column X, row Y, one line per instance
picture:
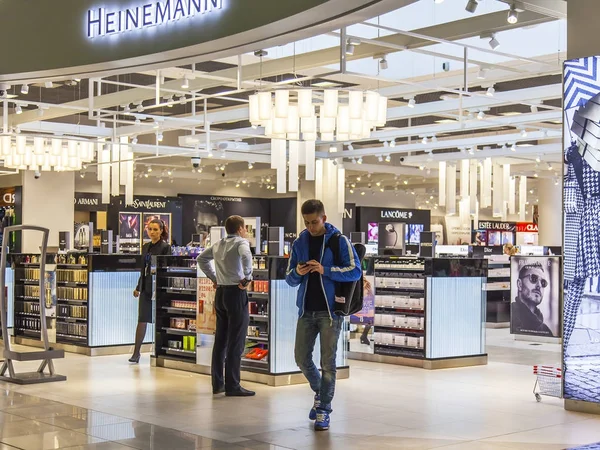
column 498, row 291
column 93, row 303
column 429, row 312
column 269, row 354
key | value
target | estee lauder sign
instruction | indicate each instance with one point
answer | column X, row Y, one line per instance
column 502, row 226
column 101, row 22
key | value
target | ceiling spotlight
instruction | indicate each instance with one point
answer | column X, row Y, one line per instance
column 362, row 193
column 170, row 102
column 333, row 149
column 223, row 167
column 138, row 121
column 149, row 169
column 480, row 115
column 82, row 174
column 353, row 160
column 378, row 183
column 155, row 125
column 360, row 160
column 134, row 140
column 405, row 182
column 358, row 179
column 25, row 89
column 538, row 159
column 513, row 148
column 392, row 143
column 353, row 185
column 421, row 167
column 424, row 141
column 388, row 158
column 490, row 91
column 160, row 180
column 268, row 180
column 380, row 158
column 185, row 84
column 471, row 6
column 159, row 137
column 140, row 107
column 18, row 110
column 182, row 99
column 146, row 175
column 49, row 84
column 350, row 49
column 352, row 191
column 535, row 175
column 350, row 147
column 250, row 166
column 411, row 103
column 534, row 108
column 210, row 153
column 169, row 172
column 550, row 166
column 383, row 64
column 494, row 43
column 382, row 189
column 482, row 74
column 513, row 15
column 237, row 185
column 351, row 44
column 556, row 182
column 524, row 133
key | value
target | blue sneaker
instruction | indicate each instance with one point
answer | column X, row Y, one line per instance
column 322, row 421
column 316, row 405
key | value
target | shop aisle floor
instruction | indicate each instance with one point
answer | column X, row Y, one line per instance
column 106, row 403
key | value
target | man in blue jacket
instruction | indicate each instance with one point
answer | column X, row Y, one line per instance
column 311, row 266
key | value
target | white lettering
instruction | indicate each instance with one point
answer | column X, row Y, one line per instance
column 148, row 204
column 103, row 23
column 348, row 213
column 9, row 198
column 395, row 214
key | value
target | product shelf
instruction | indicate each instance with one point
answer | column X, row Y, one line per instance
column 180, row 352
column 259, row 317
column 178, row 331
column 257, row 338
column 71, row 319
column 185, row 311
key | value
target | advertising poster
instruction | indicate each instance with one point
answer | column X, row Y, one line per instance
column 81, row 236
column 451, row 231
column 50, row 285
column 535, row 295
column 148, row 217
column 581, row 316
column 391, row 238
column 206, row 316
column 361, row 323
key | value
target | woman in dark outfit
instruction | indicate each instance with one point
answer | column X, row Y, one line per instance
column 158, row 246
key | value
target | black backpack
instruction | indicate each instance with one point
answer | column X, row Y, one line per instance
column 352, row 291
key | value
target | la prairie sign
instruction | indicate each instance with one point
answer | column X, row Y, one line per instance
column 102, row 22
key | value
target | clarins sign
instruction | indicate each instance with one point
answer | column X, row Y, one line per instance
column 103, row 22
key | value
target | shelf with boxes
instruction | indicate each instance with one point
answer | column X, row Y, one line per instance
column 429, row 312
column 175, row 282
column 399, row 327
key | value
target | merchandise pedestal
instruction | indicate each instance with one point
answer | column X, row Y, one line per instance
column 269, row 355
column 92, row 303
column 429, row 312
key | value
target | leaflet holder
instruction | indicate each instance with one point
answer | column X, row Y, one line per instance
column 48, row 354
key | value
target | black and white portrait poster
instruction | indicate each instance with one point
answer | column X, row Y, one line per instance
column 535, row 285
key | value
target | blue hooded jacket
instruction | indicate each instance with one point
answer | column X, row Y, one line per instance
column 350, row 271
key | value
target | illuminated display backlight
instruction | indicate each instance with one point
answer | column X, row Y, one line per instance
column 101, row 22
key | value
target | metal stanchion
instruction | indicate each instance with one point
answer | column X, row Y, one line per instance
column 48, row 354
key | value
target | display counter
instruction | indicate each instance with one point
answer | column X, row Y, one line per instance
column 89, row 302
column 185, row 322
column 429, row 312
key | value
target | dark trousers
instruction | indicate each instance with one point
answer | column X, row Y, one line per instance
column 231, row 304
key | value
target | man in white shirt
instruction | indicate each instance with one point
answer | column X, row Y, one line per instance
column 233, row 264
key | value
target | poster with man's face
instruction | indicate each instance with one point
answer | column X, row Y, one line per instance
column 535, row 294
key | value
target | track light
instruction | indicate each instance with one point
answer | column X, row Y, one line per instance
column 425, row 141
column 383, row 64
column 490, row 91
column 550, row 167
column 380, row 158
column 405, row 182
column 534, row 108
column 185, row 84
column 513, row 15
column 411, row 103
column 18, row 110
column 146, row 175
column 353, row 160
column 480, row 115
column 471, row 6
column 482, row 74
column 350, row 147
column 350, row 49
column 392, row 143
column 169, row 172
column 523, row 133
column 513, row 148
column 49, row 84
column 155, row 125
column 250, row 166
column 149, row 169
column 82, row 174
column 421, row 167
column 360, row 161
column 352, row 191
column 170, row 102
column 538, row 159
column 140, row 107
column 388, row 158
column 134, row 140
column 25, row 89
column 494, row 43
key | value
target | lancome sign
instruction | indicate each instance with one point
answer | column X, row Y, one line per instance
column 396, row 214
column 102, row 22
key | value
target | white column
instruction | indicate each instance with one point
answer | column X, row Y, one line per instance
column 47, row 202
column 332, row 194
column 550, row 211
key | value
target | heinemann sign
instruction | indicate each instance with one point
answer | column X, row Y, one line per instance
column 101, row 22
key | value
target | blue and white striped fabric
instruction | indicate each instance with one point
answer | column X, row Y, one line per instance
column 581, row 81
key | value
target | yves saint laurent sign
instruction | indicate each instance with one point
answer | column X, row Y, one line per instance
column 148, row 204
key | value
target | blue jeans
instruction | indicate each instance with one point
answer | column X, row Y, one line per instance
column 311, row 325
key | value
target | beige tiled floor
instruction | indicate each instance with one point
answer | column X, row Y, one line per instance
column 108, row 404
